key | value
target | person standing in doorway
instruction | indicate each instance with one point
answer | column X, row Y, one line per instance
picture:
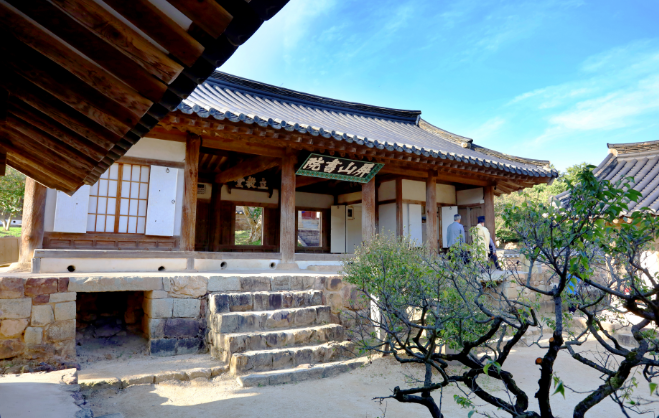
column 455, row 233
column 483, row 235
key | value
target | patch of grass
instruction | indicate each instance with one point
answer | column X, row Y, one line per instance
column 242, row 238
column 14, row 231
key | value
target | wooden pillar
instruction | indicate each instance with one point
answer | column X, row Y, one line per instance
column 488, row 209
column 34, row 211
column 191, row 176
column 215, row 223
column 399, row 207
column 431, row 212
column 287, row 238
column 368, row 210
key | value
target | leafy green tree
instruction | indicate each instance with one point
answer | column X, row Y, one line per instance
column 12, row 190
column 430, row 309
column 540, row 193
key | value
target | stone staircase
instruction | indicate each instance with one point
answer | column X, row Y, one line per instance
column 273, row 337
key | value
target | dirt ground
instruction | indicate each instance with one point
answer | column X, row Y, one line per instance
column 347, row 395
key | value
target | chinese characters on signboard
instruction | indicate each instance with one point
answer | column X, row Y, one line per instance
column 317, row 165
column 251, row 183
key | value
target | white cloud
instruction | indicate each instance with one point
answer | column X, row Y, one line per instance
column 487, row 129
column 616, row 89
column 507, row 23
column 298, row 19
column 613, row 110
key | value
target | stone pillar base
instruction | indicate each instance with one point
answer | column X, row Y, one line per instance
column 287, row 266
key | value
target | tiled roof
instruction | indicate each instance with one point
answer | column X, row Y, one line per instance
column 224, row 96
column 639, row 160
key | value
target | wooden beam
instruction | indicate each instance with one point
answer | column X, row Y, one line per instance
column 207, row 14
column 431, row 212
column 244, row 147
column 4, row 105
column 399, row 207
column 34, row 217
column 100, row 51
column 31, row 169
column 3, row 162
column 34, row 36
column 247, row 168
column 40, row 71
column 46, row 124
column 368, row 210
column 288, row 215
column 301, row 181
column 217, row 152
column 160, row 28
column 60, row 112
column 151, row 161
column 488, row 210
column 17, row 143
column 66, row 151
column 106, row 26
column 189, row 219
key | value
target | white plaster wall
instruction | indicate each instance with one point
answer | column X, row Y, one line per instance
column 241, row 195
column 354, row 230
column 470, row 196
column 313, row 200
column 387, row 191
column 387, row 219
column 446, row 194
column 51, row 201
column 349, row 197
column 158, row 149
column 414, row 190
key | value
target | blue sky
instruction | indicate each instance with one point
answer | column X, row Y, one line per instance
column 544, row 79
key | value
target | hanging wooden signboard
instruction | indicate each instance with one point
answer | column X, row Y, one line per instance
column 337, row 168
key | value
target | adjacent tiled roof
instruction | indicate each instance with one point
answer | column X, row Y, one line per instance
column 639, row 160
column 224, row 96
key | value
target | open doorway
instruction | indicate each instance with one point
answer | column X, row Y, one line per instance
column 249, row 225
column 109, row 326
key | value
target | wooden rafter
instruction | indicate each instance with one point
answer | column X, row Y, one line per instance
column 247, row 168
column 88, row 79
column 161, row 28
column 302, row 181
column 208, row 14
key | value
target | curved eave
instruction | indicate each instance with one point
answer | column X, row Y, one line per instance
column 329, row 133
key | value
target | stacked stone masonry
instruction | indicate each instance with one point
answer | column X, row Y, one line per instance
column 37, row 318
column 184, row 313
column 260, row 326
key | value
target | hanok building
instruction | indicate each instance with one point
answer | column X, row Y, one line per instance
column 318, row 175
column 195, row 223
column 640, row 161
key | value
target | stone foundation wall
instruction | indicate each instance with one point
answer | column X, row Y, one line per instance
column 38, row 315
column 37, row 319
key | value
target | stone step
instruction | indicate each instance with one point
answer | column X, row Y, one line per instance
column 269, row 320
column 287, row 358
column 302, row 373
column 251, row 341
column 264, row 301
